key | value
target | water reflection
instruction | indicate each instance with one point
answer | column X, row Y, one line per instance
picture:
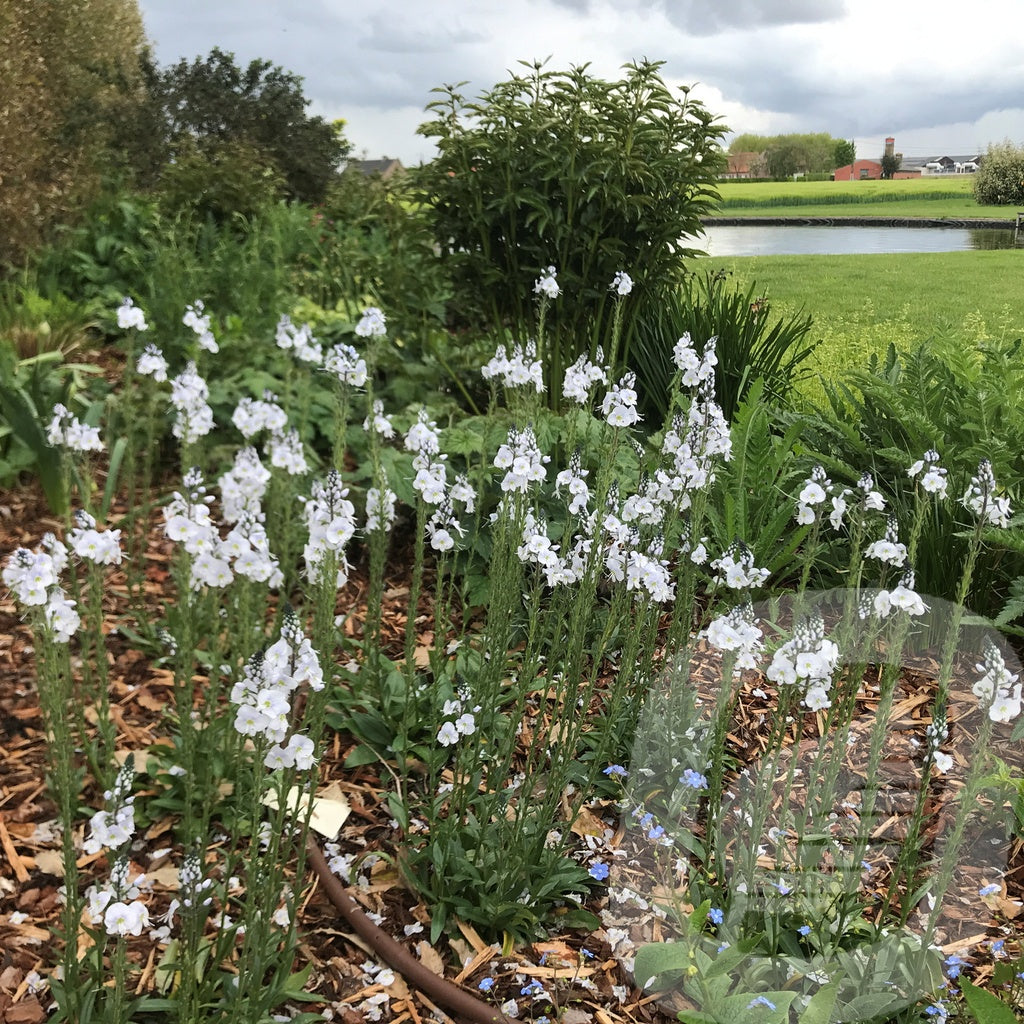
column 843, row 239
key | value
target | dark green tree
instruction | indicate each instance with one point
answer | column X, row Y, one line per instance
column 559, row 168
column 211, row 107
column 1000, row 179
column 890, row 164
column 844, row 153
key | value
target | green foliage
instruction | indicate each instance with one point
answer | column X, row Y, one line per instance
column 751, row 343
column 844, row 152
column 985, row 1007
column 559, row 168
column 1000, row 178
column 890, row 164
column 788, row 154
column 254, row 115
column 219, row 179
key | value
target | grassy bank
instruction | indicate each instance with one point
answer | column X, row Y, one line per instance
column 938, row 197
column 862, row 303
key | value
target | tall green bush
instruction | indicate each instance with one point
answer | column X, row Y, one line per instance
column 1000, row 179
column 563, row 169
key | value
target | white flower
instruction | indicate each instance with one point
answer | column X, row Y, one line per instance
column 371, row 324
column 448, row 734
column 943, row 762
column 622, row 283
column 126, row 918
column 152, row 364
column 546, row 285
column 129, row 315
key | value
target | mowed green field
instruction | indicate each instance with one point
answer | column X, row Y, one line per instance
column 937, row 197
column 863, row 303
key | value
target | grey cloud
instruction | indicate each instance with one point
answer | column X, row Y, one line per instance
column 710, row 17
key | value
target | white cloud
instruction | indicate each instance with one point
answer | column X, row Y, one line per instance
column 945, row 79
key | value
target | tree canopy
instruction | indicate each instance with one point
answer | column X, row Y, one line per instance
column 811, row 153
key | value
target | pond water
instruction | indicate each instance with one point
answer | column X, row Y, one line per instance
column 830, row 239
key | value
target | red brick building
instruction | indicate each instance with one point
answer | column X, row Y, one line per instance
column 859, row 170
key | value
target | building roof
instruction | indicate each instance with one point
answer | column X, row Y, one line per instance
column 385, row 167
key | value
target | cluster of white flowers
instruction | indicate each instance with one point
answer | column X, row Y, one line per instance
column 188, row 397
column 187, row 522
column 902, row 597
column 67, row 431
column 518, row 370
column 619, row 405
column 459, row 722
column 242, row 487
column 34, row 579
column 868, row 500
column 736, row 568
column 199, row 320
column 888, row 549
column 372, row 324
column 112, row 828
column 423, row 436
column 737, row 630
column 574, row 480
column 286, row 452
column 546, row 286
column 654, row 496
column 431, row 478
column 100, row 548
column 299, row 340
column 115, row 824
column 252, row 415
column 378, row 422
column 696, row 442
column 622, row 283
column 117, row 904
column 998, row 689
column 521, row 457
column 696, row 369
column 650, row 572
column 129, row 315
column 441, row 524
column 808, row 660
column 814, row 492
column 981, row 498
column 380, row 508
column 581, row 377
column 331, row 521
column 152, row 364
column 347, row 365
column 263, row 699
column 536, row 548
column 933, row 479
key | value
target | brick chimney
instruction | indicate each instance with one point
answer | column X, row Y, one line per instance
column 890, row 145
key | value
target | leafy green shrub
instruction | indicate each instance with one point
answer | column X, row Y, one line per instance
column 1000, row 179
column 559, row 168
column 751, row 344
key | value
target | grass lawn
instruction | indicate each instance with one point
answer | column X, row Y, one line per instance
column 862, row 303
column 938, row 197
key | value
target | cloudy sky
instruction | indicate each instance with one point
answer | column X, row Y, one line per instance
column 942, row 76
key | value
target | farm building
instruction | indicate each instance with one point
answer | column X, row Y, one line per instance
column 746, row 165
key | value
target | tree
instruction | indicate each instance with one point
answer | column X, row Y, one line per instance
column 890, row 164
column 844, row 153
column 211, row 107
column 999, row 180
column 558, row 168
column 67, row 67
column 808, row 153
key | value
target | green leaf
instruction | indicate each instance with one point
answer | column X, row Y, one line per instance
column 986, row 1007
column 819, row 1009
column 17, row 409
column 659, row 958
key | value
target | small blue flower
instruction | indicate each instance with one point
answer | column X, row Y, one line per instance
column 784, row 890
column 599, row 871
column 693, row 779
column 535, row 988
column 656, row 833
column 997, row 947
column 715, row 916
column 804, row 929
column 646, row 819
column 587, row 955
column 486, row 985
column 989, row 890
column 761, row 1001
column 615, row 769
